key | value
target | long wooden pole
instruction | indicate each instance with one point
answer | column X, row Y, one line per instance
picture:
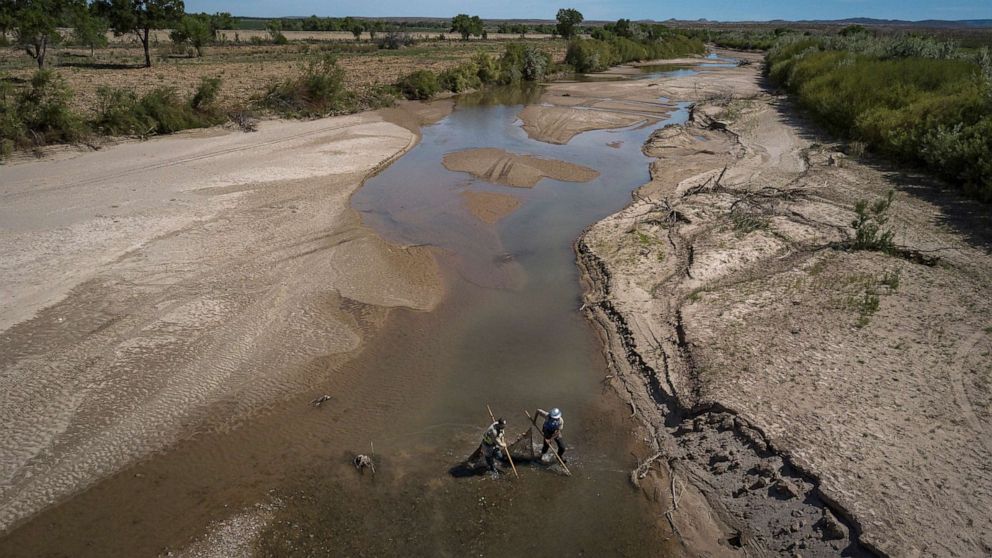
column 551, row 446
column 506, row 449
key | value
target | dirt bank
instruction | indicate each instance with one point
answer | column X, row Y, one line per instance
column 513, row 169
column 822, row 399
column 153, row 290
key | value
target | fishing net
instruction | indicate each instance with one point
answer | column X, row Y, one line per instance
column 525, row 448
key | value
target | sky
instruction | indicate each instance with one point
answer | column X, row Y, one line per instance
column 721, row 10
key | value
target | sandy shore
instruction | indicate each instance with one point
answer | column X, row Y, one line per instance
column 821, row 399
column 156, row 289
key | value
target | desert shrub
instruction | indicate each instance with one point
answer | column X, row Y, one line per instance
column 420, row 85
column 12, row 131
column 118, row 113
column 460, row 78
column 168, row 111
column 379, row 96
column 38, row 114
column 163, row 110
column 870, row 230
column 964, row 153
column 394, row 40
column 206, row 94
column 318, row 90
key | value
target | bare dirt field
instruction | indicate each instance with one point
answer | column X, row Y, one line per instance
column 157, row 288
column 779, row 368
column 245, row 70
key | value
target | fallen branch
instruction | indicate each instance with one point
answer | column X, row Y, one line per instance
column 641, row 470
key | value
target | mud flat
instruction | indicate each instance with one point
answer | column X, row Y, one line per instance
column 155, row 290
column 513, row 169
column 490, row 207
column 821, row 399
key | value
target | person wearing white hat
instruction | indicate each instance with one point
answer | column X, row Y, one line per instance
column 551, row 429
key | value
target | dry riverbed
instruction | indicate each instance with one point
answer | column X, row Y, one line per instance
column 822, row 399
column 157, row 289
column 798, row 398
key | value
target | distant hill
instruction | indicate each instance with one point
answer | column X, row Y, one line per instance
column 929, row 23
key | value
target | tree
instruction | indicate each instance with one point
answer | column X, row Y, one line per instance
column 194, row 31
column 568, row 18
column 466, row 25
column 622, row 28
column 356, row 29
column 89, row 29
column 274, row 27
column 35, row 23
column 374, row 27
column 140, row 17
column 220, row 21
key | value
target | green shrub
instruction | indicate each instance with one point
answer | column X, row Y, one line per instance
column 206, row 95
column 420, row 85
column 591, row 55
column 588, row 55
column 460, row 78
column 118, row 114
column 168, row 111
column 38, row 114
column 487, row 68
column 12, row 131
column 163, row 111
column 379, row 96
column 522, row 62
column 870, row 230
column 929, row 109
column 318, row 91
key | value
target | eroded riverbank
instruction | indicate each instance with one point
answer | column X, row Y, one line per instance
column 824, row 400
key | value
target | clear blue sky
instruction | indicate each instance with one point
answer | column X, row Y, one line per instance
column 723, row 10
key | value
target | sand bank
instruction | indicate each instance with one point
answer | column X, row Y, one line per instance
column 147, row 284
column 513, row 169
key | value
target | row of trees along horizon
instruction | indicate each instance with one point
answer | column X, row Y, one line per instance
column 36, row 25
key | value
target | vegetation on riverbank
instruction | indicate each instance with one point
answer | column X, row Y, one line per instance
column 917, row 100
column 596, row 55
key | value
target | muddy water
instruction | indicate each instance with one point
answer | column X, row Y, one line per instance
column 508, row 335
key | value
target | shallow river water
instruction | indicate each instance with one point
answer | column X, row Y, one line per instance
column 509, row 334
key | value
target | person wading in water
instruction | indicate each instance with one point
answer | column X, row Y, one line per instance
column 493, row 443
column 553, row 424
